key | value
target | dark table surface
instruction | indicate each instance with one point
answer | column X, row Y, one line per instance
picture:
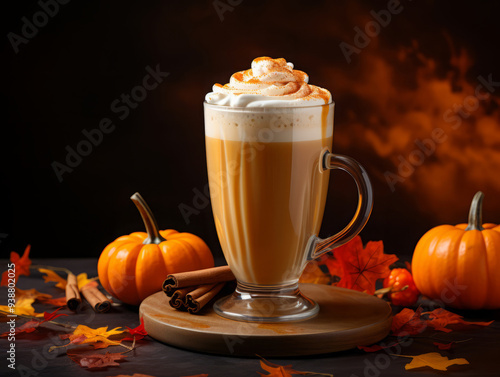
column 158, row 359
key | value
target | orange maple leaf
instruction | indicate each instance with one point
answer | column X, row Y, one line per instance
column 59, row 301
column 32, row 293
column 408, row 322
column 433, row 360
column 50, row 275
column 22, row 265
column 97, row 337
column 361, row 268
column 276, row 370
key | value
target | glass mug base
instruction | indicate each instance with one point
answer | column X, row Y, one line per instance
column 255, row 303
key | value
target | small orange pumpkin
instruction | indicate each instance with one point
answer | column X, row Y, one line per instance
column 460, row 265
column 133, row 267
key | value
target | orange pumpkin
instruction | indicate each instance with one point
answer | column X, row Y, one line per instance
column 133, row 267
column 460, row 265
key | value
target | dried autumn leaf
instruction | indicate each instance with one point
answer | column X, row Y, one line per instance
column 433, row 360
column 27, row 327
column 440, row 318
column 83, row 280
column 276, row 370
column 23, row 307
column 361, row 268
column 443, row 346
column 59, row 301
column 32, row 324
column 51, row 276
column 92, row 361
column 22, row 265
column 138, row 332
column 146, row 375
column 97, row 336
column 194, row 375
column 32, row 293
column 408, row 322
column 51, row 316
column 313, row 274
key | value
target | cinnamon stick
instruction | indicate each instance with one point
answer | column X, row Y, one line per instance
column 196, row 278
column 73, row 298
column 178, row 299
column 198, row 298
column 96, row 298
column 192, row 290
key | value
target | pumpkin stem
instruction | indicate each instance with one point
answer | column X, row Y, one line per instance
column 476, row 212
column 149, row 220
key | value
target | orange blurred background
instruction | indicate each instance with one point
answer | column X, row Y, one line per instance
column 408, row 108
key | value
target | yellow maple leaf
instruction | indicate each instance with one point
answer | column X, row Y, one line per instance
column 433, row 360
column 23, row 307
column 83, row 280
column 100, row 334
column 52, row 276
column 32, row 293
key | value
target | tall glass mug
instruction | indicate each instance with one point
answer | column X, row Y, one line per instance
column 268, row 170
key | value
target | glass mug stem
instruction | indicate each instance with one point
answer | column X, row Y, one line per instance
column 317, row 246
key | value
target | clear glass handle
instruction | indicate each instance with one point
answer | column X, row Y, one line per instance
column 318, row 246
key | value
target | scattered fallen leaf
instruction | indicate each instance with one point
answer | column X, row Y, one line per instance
column 32, row 324
column 146, row 375
column 32, row 293
column 377, row 347
column 313, row 274
column 276, row 370
column 92, row 361
column 361, row 268
column 443, row 346
column 196, row 375
column 51, row 316
column 82, row 280
column 408, row 322
column 27, row 327
column 433, row 360
column 440, row 318
column 22, row 265
column 97, row 337
column 59, row 301
column 51, row 276
column 23, row 307
column 138, row 333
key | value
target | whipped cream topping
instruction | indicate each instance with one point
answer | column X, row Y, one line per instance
column 269, row 83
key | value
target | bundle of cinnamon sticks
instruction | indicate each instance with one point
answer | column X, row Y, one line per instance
column 92, row 294
column 192, row 290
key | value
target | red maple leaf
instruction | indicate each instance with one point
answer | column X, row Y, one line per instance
column 408, row 322
column 361, row 268
column 138, row 332
column 96, row 360
column 443, row 346
column 440, row 318
column 53, row 315
column 22, row 265
column 32, row 324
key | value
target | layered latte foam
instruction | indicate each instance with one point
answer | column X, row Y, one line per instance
column 264, row 125
column 267, row 189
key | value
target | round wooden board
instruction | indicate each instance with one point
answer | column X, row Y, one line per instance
column 346, row 319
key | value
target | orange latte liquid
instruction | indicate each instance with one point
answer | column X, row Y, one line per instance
column 267, row 196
